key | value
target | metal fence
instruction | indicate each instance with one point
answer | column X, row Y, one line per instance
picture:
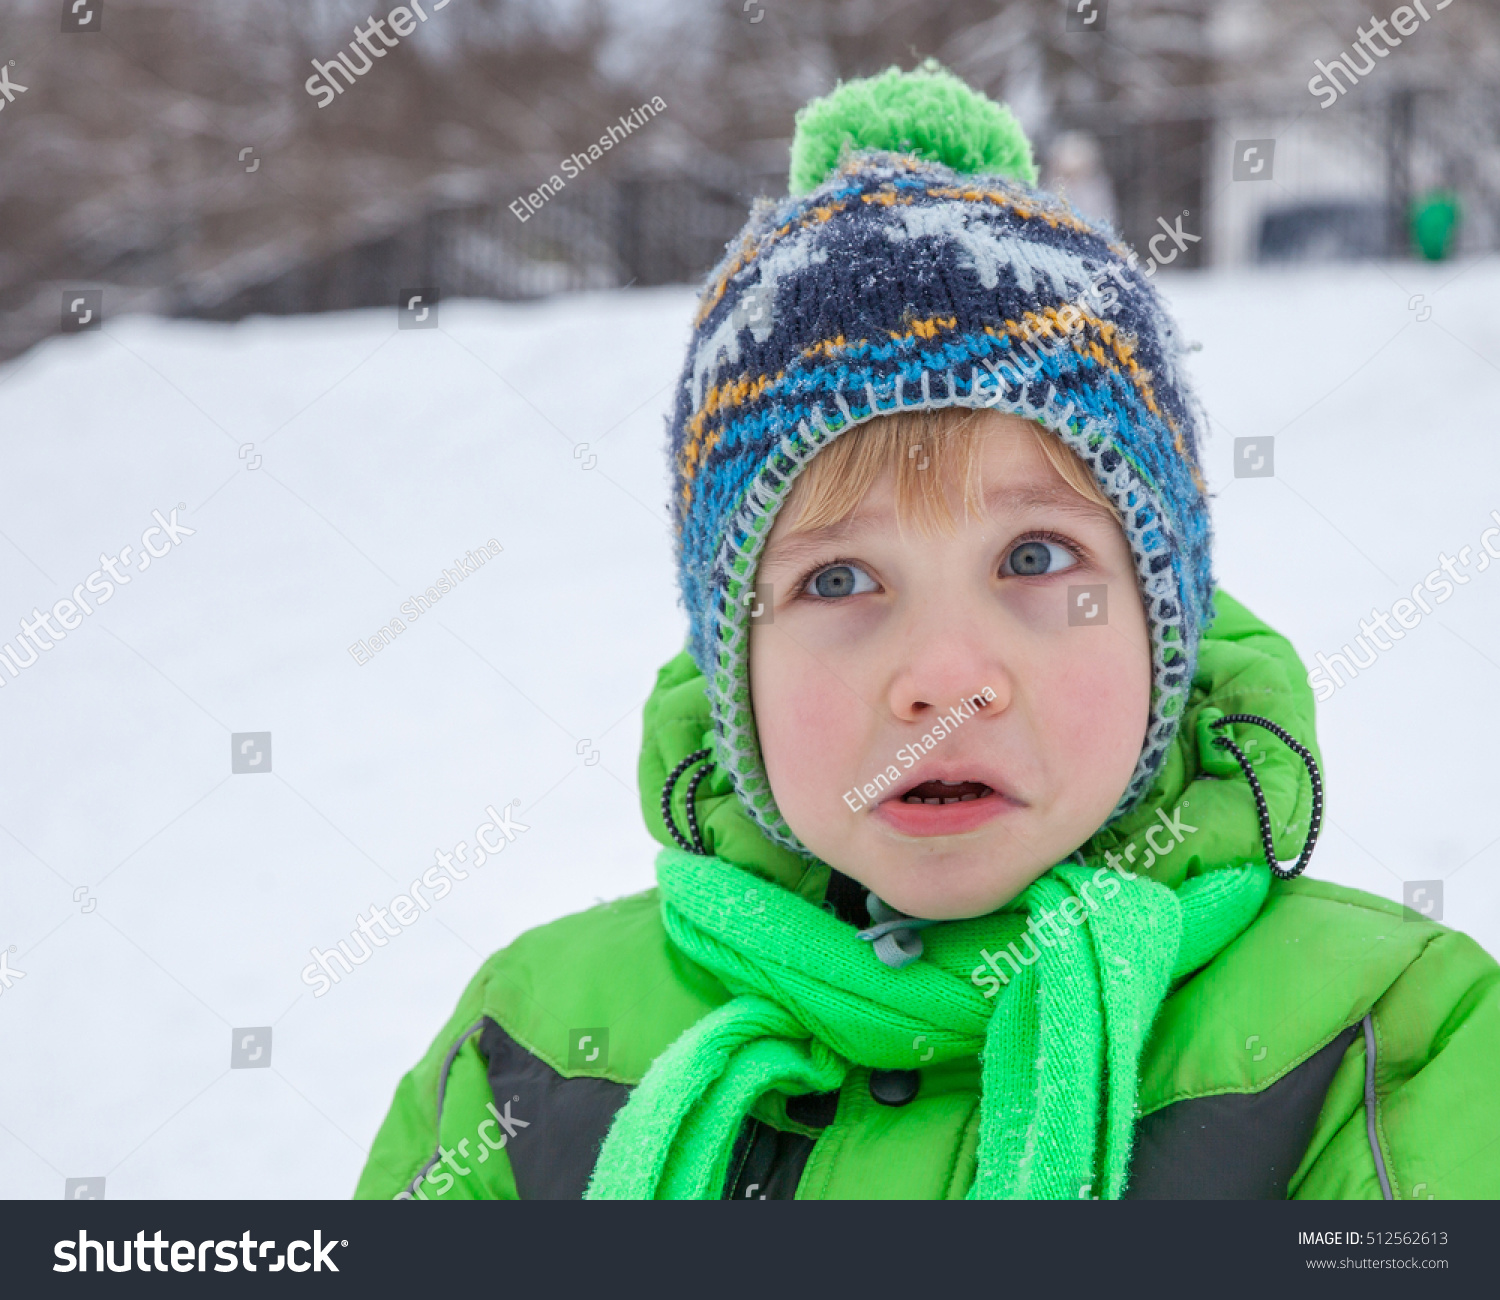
column 610, row 232
column 1340, row 185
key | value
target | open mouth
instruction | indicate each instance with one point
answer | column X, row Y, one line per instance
column 945, row 792
column 937, row 807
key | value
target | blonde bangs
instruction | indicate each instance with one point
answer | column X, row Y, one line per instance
column 936, row 459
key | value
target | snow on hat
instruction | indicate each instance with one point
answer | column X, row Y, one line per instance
column 908, row 268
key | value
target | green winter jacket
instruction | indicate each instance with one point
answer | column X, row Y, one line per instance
column 1341, row 1047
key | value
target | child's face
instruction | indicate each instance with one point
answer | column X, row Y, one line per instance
column 875, row 634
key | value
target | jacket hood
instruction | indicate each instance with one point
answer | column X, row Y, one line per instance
column 1243, row 667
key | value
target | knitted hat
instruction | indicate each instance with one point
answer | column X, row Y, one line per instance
column 914, row 267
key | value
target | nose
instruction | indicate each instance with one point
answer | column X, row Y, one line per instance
column 947, row 665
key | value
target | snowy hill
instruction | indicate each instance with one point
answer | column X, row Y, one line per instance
column 331, row 467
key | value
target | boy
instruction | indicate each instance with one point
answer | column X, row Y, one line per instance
column 980, row 804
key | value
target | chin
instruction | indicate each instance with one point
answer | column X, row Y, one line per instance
column 952, row 896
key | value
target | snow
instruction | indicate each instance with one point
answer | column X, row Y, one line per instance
column 384, row 456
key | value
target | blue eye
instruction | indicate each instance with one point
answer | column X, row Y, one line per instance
column 841, row 580
column 1035, row 557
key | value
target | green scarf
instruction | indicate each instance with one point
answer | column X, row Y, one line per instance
column 1060, row 1042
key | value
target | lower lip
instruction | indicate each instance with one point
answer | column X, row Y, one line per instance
column 943, row 818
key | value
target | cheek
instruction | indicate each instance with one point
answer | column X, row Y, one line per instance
column 1094, row 702
column 807, row 723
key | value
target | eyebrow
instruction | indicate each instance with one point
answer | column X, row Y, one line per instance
column 1057, row 497
column 1045, row 497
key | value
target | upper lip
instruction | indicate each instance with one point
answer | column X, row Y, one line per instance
column 954, row 769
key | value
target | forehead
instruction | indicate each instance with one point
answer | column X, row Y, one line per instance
column 1015, row 477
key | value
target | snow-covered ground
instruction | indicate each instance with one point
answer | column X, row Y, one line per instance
column 330, row 467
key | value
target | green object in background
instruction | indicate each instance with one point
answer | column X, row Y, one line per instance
column 1434, row 222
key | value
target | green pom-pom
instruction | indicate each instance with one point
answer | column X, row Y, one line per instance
column 928, row 112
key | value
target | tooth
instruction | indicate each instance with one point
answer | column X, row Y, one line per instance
column 932, row 801
column 964, row 798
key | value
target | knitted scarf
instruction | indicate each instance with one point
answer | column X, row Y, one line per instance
column 1060, row 1041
